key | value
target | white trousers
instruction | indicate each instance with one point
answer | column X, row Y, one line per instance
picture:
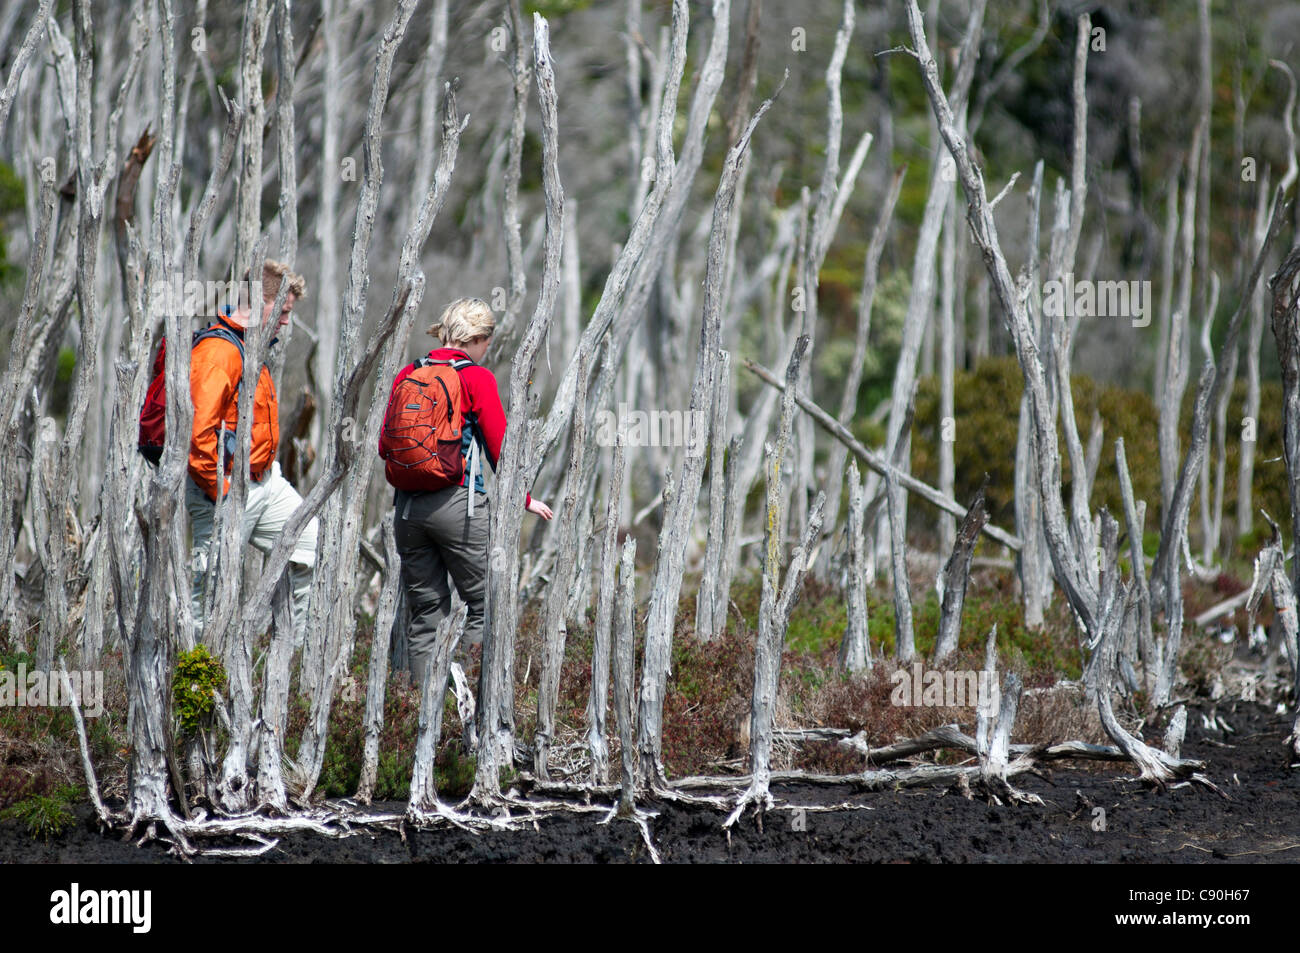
column 268, row 507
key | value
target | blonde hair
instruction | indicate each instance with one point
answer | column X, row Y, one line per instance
column 273, row 272
column 463, row 321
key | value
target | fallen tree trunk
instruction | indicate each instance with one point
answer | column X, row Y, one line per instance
column 877, row 462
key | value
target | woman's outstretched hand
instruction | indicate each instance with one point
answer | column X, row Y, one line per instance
column 541, row 509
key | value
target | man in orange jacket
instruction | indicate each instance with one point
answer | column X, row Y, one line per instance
column 216, row 368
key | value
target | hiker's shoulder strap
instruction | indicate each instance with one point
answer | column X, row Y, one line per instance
column 219, row 332
column 456, row 363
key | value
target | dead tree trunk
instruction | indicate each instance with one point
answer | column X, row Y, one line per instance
column 921, row 301
column 624, row 674
column 1285, row 286
column 566, row 566
column 708, row 595
column 853, row 382
column 776, row 602
column 381, row 637
column 496, row 722
column 955, row 574
column 1270, row 575
column 424, row 794
column 855, row 649
column 598, row 699
column 679, row 512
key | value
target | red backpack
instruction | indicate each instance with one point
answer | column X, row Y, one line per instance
column 153, row 416
column 421, row 439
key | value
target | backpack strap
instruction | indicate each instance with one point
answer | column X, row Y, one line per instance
column 225, row 334
column 219, row 332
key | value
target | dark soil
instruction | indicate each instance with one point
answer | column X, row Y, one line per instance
column 1187, row 824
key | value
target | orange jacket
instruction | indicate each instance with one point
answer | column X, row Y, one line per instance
column 215, row 371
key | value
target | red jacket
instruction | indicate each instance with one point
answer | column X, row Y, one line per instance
column 485, row 418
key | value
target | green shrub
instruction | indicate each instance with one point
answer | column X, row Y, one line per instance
column 986, row 408
column 197, row 679
column 46, row 816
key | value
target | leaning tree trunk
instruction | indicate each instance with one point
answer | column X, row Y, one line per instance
column 955, row 574
column 679, row 512
column 496, row 731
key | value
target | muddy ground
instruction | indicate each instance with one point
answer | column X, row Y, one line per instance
column 1188, row 824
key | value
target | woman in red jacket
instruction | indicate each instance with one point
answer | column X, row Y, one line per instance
column 439, row 533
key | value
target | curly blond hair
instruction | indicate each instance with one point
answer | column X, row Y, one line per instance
column 273, row 272
column 463, row 321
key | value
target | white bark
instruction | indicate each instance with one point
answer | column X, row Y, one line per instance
column 678, row 512
column 598, row 699
column 496, row 720
column 855, row 649
column 709, row 604
column 424, row 794
column 380, row 643
column 775, row 604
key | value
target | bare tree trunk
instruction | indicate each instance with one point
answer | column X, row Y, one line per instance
column 819, row 240
column 598, row 699
column 921, row 301
column 17, row 384
column 624, row 673
column 1177, row 357
column 1135, row 522
column 853, row 382
column 327, row 317
column 505, row 329
column 775, row 604
column 855, row 649
column 496, row 723
column 947, row 367
column 1270, row 574
column 955, row 574
column 679, row 511
column 734, row 505
column 708, row 604
column 1246, row 474
column 1286, row 332
column 381, row 637
column 424, row 793
column 556, row 626
column 904, row 641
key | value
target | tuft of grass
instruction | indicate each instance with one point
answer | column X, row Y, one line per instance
column 46, row 816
